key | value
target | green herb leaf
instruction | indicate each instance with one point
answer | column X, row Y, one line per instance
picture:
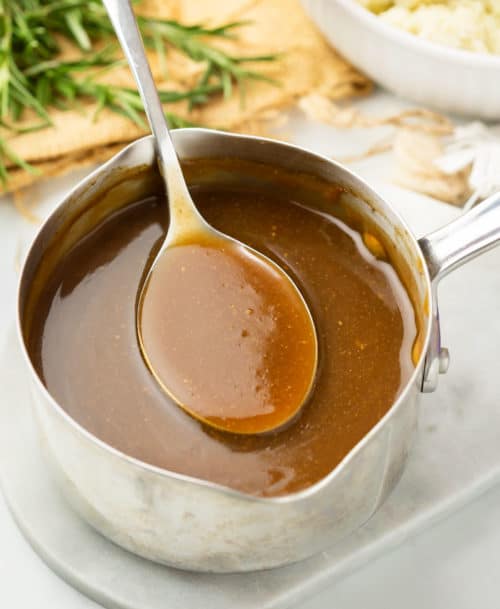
column 32, row 76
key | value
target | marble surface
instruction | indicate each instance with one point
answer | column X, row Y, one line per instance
column 457, row 454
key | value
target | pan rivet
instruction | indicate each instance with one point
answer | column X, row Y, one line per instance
column 444, row 360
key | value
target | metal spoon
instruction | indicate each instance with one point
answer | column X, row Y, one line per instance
column 188, row 228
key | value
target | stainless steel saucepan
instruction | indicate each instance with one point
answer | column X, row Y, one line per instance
column 197, row 525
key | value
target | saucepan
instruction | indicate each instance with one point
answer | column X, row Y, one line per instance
column 197, row 525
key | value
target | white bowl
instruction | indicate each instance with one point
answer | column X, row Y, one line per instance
column 450, row 80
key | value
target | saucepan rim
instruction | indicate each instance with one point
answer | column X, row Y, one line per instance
column 114, row 164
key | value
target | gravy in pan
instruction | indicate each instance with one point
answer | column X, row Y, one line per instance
column 83, row 341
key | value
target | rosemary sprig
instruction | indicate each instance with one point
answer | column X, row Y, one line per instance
column 33, row 77
column 7, row 152
column 219, row 65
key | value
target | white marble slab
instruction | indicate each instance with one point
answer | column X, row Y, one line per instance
column 456, row 456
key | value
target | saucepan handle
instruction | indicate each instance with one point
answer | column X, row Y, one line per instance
column 466, row 237
column 446, row 249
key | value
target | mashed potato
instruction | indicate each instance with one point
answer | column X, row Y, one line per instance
column 473, row 25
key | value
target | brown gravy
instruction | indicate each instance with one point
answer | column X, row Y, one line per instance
column 83, row 342
column 227, row 335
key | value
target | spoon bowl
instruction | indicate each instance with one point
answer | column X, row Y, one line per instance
column 224, row 330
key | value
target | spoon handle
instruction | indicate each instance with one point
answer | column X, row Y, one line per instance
column 181, row 207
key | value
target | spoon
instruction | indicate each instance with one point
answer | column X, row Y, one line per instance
column 224, row 330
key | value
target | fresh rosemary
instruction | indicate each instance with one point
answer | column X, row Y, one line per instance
column 33, row 77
